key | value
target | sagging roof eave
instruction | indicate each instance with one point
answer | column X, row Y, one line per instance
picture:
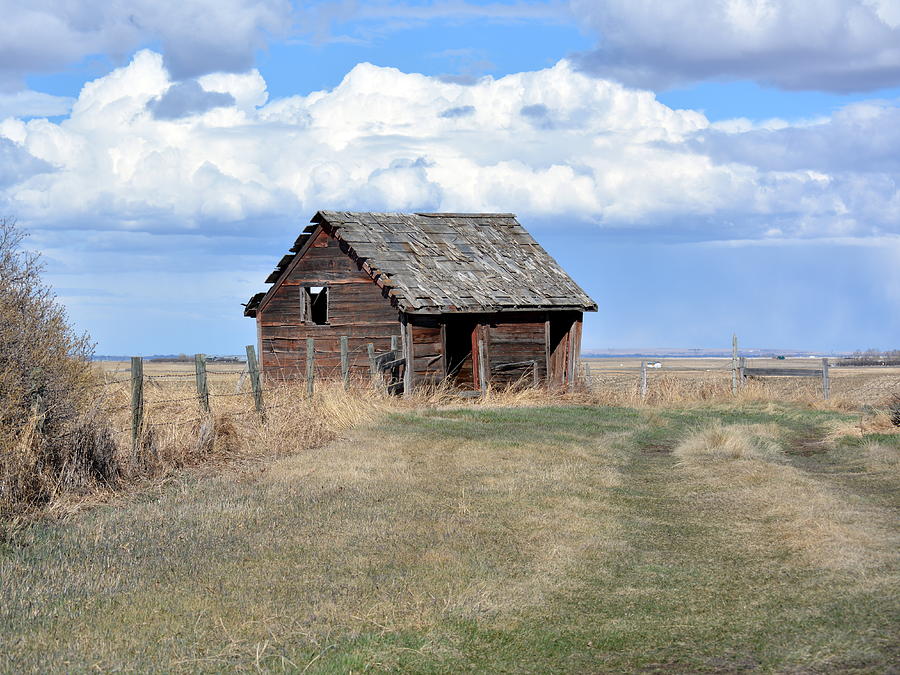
column 450, row 311
column 380, row 278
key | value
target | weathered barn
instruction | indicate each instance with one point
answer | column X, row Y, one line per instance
column 472, row 297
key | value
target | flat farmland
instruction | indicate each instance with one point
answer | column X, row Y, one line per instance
column 862, row 386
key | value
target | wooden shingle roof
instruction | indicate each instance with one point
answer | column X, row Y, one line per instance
column 455, row 262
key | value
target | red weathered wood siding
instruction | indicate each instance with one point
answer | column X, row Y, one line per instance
column 356, row 308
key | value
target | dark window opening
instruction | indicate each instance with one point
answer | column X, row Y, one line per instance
column 314, row 304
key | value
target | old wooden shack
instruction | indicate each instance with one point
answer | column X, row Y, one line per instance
column 471, row 296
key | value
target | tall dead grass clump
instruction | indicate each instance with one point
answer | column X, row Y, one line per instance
column 50, row 440
column 723, row 442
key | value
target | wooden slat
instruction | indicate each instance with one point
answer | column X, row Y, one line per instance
column 784, row 372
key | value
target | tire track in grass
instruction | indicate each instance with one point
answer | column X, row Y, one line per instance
column 821, row 553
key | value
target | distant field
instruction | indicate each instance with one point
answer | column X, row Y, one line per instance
column 869, row 385
column 709, row 538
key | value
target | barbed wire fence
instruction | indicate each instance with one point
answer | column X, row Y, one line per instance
column 250, row 371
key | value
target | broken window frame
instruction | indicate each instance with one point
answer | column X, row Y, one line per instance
column 308, row 299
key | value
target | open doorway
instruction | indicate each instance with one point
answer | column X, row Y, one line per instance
column 458, row 352
column 560, row 327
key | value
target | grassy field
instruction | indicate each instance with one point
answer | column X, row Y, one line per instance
column 713, row 538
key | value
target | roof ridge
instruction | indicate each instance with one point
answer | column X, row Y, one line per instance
column 465, row 215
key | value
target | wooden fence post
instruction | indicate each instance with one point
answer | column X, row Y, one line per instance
column 409, row 359
column 734, row 366
column 826, row 379
column 345, row 361
column 202, row 384
column 643, row 379
column 373, row 370
column 310, row 365
column 535, row 380
column 253, row 367
column 137, row 401
column 395, row 372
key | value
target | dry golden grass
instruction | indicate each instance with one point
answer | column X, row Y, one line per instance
column 444, row 538
column 881, row 458
column 869, row 422
column 699, row 380
column 177, row 435
column 460, row 492
column 741, row 468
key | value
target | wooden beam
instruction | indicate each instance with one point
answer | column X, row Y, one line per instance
column 483, row 378
column 409, row 367
column 783, row 372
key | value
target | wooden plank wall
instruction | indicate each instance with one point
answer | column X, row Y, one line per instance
column 356, row 308
column 427, row 350
column 508, row 338
column 513, row 342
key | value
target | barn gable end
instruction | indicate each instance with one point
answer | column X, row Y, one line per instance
column 356, row 308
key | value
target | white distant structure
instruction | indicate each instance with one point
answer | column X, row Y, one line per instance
column 654, row 364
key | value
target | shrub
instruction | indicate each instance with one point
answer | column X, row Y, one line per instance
column 47, row 438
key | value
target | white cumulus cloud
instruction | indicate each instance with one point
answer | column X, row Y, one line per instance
column 555, row 144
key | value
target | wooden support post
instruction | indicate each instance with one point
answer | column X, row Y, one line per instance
column 482, row 364
column 137, row 401
column 408, row 354
column 535, row 379
column 202, row 383
column 310, row 365
column 373, row 369
column 253, row 368
column 572, row 360
column 345, row 361
column 826, row 380
column 643, row 379
column 734, row 366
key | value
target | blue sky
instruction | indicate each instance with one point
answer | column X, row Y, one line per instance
column 700, row 168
